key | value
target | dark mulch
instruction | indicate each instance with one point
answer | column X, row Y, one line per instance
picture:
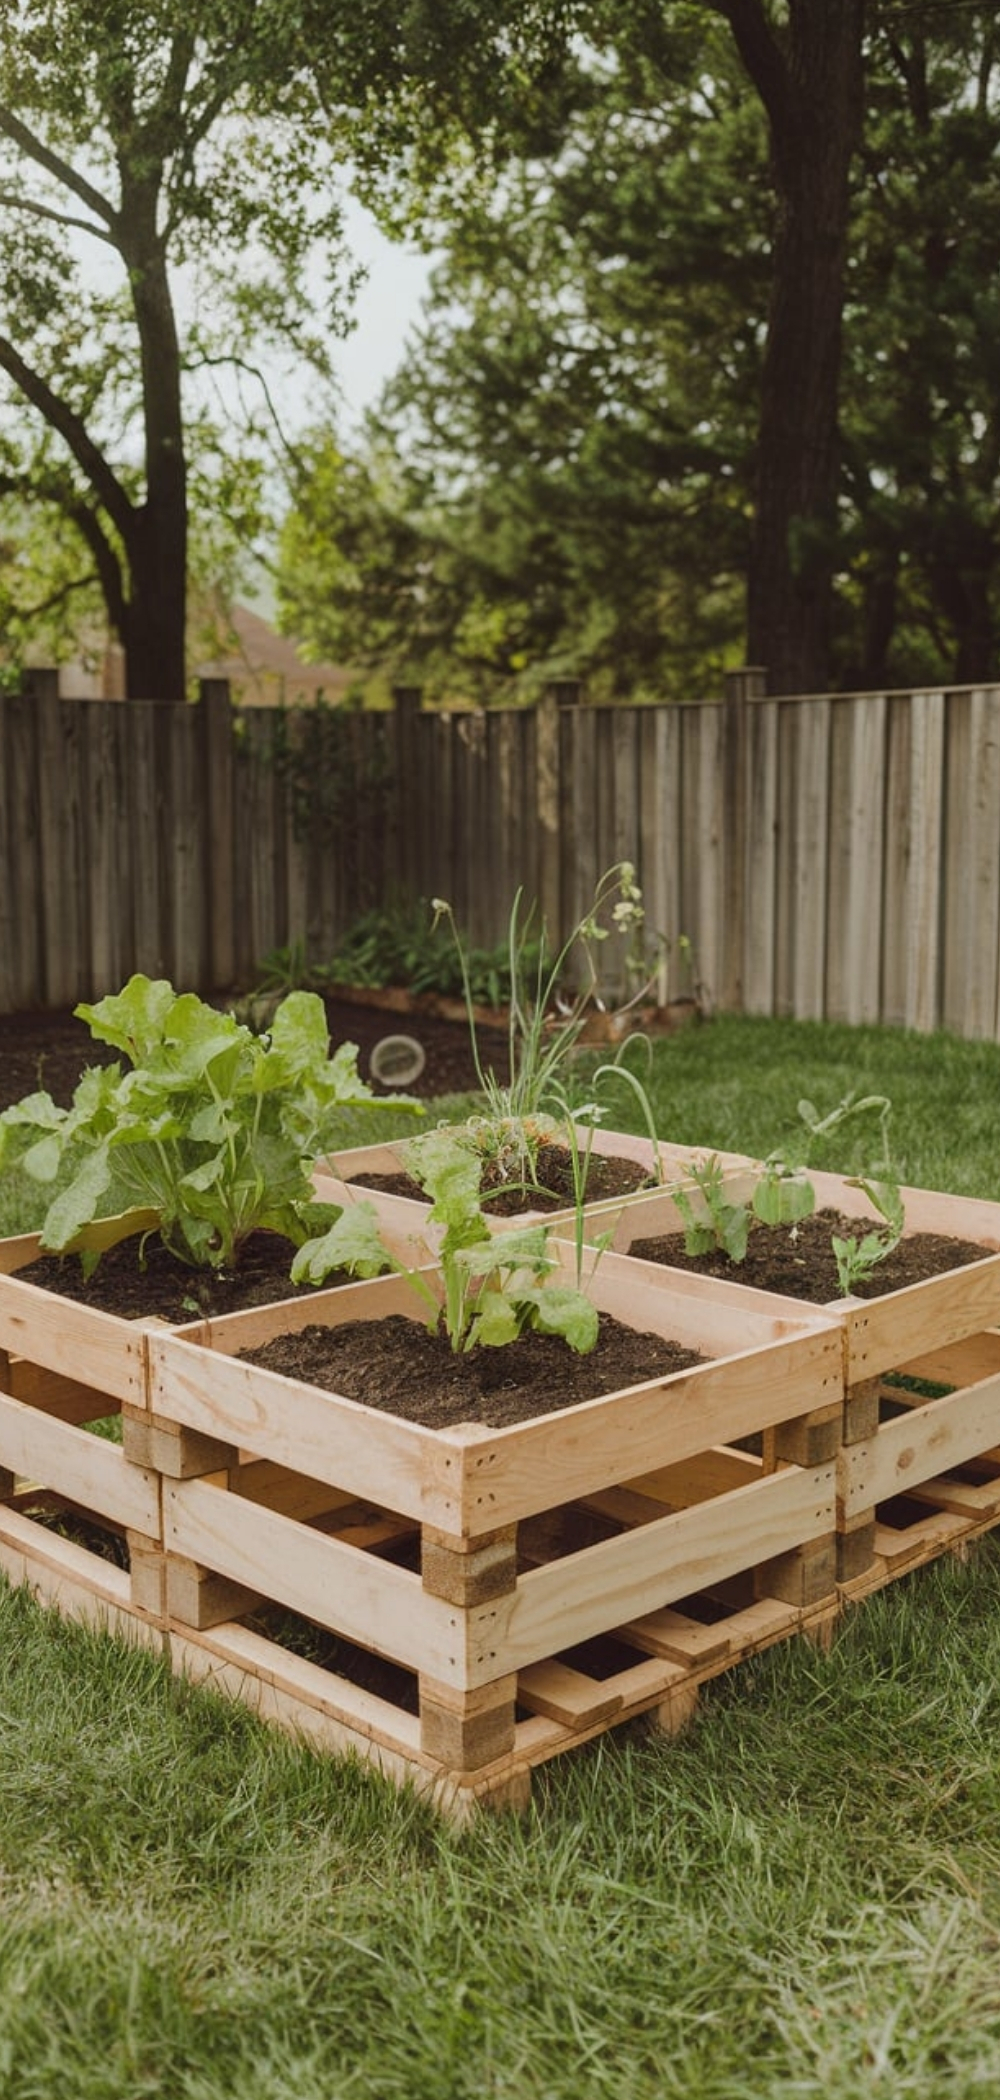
column 51, row 1050
column 798, row 1260
column 398, row 1366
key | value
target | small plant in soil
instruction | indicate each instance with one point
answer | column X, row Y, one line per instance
column 496, row 1285
column 783, row 1196
column 550, row 997
column 210, row 1133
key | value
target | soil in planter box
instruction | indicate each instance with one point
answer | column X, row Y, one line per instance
column 798, row 1260
column 160, row 1286
column 397, row 1365
column 607, row 1176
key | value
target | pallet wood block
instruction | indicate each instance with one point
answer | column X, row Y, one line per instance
column 941, row 1330
column 487, row 1640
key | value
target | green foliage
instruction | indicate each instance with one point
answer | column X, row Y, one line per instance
column 559, row 482
column 212, row 1129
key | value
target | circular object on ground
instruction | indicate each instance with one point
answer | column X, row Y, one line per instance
column 397, row 1060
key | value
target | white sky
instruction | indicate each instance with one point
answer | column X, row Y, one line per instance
column 388, row 306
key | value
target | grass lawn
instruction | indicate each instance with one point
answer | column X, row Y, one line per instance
column 800, row 1896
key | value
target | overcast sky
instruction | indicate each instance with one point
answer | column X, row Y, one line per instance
column 388, row 305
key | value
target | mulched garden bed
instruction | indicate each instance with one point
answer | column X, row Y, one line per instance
column 397, row 1365
column 798, row 1260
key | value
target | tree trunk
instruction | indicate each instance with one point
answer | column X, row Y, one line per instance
column 155, row 621
column 810, row 78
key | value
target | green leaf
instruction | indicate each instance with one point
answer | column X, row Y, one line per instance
column 495, row 1322
column 559, row 1309
column 353, row 1243
column 132, row 1019
column 78, row 1203
column 782, row 1198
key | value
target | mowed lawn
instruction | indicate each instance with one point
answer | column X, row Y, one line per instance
column 799, row 1896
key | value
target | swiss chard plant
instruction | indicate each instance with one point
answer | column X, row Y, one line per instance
column 208, row 1131
column 496, row 1285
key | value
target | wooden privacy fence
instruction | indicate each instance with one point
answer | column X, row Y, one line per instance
column 833, row 857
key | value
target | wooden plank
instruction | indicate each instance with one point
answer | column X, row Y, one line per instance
column 623, row 1578
column 335, row 1440
column 922, row 931
column 566, row 1695
column 217, row 746
column 59, row 798
column 919, row 1445
column 681, row 1639
column 22, row 924
column 356, row 1594
column 883, row 1334
column 854, row 902
column 958, row 1363
column 92, row 1347
column 810, row 817
column 148, row 794
column 109, row 869
column 88, row 1469
column 759, row 873
column 971, row 864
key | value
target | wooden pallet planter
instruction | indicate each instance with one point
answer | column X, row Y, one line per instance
column 485, row 1564
column 918, row 1475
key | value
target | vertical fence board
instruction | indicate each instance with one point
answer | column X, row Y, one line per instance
column 758, row 872
column 971, row 900
column 854, row 903
column 109, row 874
column 923, row 913
column 146, row 792
column 60, row 804
column 187, row 869
column 810, row 821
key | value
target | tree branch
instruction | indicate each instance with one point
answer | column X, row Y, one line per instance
column 765, row 62
column 64, row 420
column 14, row 202
column 54, row 164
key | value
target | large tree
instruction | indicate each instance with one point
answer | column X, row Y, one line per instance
column 204, row 141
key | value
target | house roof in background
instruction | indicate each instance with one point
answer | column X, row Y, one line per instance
column 265, row 668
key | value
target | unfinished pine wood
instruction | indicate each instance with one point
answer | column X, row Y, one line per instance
column 617, row 1580
column 88, row 1469
column 90, row 1347
column 915, row 1447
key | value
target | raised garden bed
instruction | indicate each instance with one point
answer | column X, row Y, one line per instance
column 919, row 1467
column 485, row 1563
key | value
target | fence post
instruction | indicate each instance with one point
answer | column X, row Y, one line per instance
column 39, row 684
column 741, row 688
column 217, row 739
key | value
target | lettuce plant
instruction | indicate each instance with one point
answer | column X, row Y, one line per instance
column 209, row 1130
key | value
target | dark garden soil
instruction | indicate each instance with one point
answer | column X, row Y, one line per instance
column 798, row 1260
column 396, row 1365
column 607, row 1176
column 150, row 1283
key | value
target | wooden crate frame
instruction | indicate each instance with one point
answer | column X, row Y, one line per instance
column 317, row 1487
column 902, row 1497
